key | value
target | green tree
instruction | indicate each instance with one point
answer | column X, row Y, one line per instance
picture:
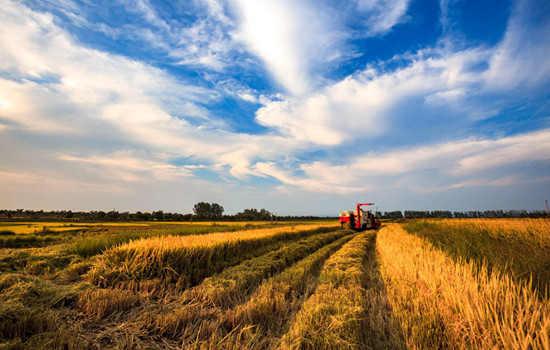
column 216, row 210
column 158, row 215
column 253, row 214
column 204, row 210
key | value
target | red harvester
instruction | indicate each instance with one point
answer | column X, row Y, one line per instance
column 359, row 219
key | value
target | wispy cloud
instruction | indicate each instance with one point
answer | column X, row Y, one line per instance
column 458, row 164
column 363, row 105
column 298, row 39
column 133, row 166
column 521, row 59
column 382, row 15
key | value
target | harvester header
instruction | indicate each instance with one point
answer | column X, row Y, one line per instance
column 359, row 219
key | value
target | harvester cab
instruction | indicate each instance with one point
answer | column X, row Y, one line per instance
column 359, row 219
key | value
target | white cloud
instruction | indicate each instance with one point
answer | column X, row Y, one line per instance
column 132, row 166
column 297, row 40
column 24, row 105
column 363, row 105
column 48, row 183
column 446, row 16
column 314, row 183
column 521, row 58
column 519, row 148
column 55, row 82
column 89, row 93
column 458, row 164
column 382, row 15
column 290, row 37
column 202, row 43
column 458, row 158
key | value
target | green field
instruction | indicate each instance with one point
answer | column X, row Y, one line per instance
column 422, row 284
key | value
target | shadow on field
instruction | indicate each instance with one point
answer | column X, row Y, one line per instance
column 382, row 330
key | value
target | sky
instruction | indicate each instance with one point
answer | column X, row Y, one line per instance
column 301, row 107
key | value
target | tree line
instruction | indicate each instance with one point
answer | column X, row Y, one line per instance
column 203, row 211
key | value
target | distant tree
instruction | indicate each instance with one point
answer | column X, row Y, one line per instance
column 441, row 214
column 253, row 214
column 393, row 214
column 202, row 210
column 113, row 215
column 205, row 210
column 216, row 210
column 100, row 215
column 158, row 215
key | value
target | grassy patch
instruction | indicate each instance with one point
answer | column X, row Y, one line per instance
column 87, row 247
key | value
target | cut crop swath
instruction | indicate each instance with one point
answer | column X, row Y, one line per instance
column 349, row 309
column 266, row 315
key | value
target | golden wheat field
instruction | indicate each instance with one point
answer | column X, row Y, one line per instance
column 419, row 284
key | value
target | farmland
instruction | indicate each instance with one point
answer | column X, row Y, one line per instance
column 421, row 284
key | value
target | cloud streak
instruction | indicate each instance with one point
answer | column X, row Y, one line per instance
column 460, row 163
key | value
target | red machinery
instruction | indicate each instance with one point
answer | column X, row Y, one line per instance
column 360, row 219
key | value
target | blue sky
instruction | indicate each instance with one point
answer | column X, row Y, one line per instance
column 300, row 107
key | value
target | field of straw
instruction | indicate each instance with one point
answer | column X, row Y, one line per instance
column 422, row 284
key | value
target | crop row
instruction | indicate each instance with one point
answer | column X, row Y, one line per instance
column 211, row 307
column 186, row 260
column 117, row 234
column 229, row 286
column 266, row 311
column 232, row 286
column 349, row 309
column 23, row 241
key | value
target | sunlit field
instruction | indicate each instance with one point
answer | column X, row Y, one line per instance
column 420, row 284
column 518, row 247
column 448, row 301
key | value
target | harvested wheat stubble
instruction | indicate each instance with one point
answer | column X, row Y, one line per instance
column 187, row 260
column 100, row 303
column 447, row 303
